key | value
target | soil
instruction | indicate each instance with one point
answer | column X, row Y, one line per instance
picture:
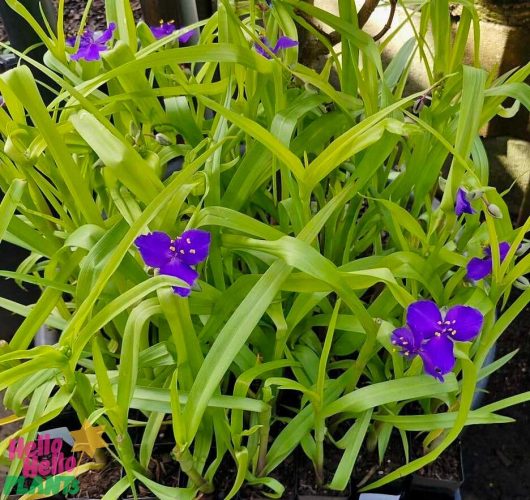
column 496, row 456
column 447, row 467
column 285, row 474
column 368, row 469
column 223, row 480
column 164, row 471
column 307, row 484
column 73, row 12
column 95, row 483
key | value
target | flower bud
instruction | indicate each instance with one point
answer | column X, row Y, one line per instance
column 475, row 194
column 522, row 283
column 134, row 130
column 522, row 249
column 4, row 347
column 494, row 211
column 163, row 139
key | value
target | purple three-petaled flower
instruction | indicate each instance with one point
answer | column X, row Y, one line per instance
column 462, row 204
column 480, row 268
column 175, row 257
column 166, row 29
column 90, row 46
column 430, row 335
column 284, row 42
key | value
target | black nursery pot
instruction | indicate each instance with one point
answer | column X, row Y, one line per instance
column 396, row 490
column 391, row 491
column 344, row 495
column 368, row 469
column 436, row 487
column 67, row 418
column 376, row 495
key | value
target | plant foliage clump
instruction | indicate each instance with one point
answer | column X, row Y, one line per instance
column 345, row 222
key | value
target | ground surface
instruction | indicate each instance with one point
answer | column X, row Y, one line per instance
column 74, row 11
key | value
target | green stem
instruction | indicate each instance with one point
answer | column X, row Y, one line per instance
column 264, row 420
column 185, row 459
column 320, row 432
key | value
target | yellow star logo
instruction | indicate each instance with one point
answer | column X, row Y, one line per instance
column 88, row 439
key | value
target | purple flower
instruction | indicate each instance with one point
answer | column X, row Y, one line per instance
column 420, row 103
column 90, row 46
column 283, row 42
column 462, row 204
column 480, row 268
column 175, row 257
column 430, row 335
column 166, row 29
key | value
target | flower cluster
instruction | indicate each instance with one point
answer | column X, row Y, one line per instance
column 90, row 46
column 477, row 268
column 431, row 335
column 283, row 42
column 175, row 257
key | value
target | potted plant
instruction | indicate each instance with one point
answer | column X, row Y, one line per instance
column 286, row 298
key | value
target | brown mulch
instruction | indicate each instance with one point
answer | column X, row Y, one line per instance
column 95, row 483
column 73, row 12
